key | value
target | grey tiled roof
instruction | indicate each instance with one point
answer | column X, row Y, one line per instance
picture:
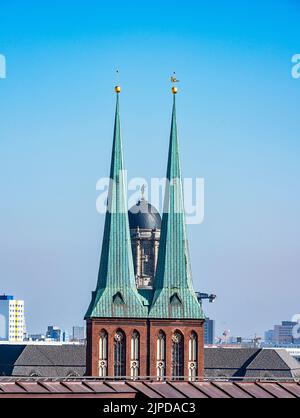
column 231, row 358
column 273, row 363
column 68, row 360
column 250, row 363
column 42, row 360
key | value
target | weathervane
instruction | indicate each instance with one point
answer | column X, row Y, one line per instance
column 174, row 80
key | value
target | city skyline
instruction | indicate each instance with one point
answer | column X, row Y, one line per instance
column 238, row 120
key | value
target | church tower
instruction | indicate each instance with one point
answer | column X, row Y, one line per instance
column 111, row 330
column 176, row 315
column 144, row 319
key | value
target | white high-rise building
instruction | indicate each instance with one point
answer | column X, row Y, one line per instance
column 12, row 319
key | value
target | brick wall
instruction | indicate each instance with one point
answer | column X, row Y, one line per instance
column 148, row 330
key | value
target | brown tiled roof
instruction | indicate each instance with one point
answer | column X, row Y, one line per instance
column 95, row 388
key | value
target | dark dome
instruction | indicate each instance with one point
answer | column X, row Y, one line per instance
column 144, row 216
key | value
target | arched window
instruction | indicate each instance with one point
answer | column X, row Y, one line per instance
column 161, row 355
column 193, row 356
column 177, row 356
column 120, row 354
column 103, row 354
column 135, row 355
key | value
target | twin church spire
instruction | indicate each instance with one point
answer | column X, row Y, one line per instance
column 116, row 294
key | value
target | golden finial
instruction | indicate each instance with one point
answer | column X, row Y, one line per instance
column 117, row 88
column 174, row 80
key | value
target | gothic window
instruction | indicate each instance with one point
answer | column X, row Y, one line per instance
column 119, row 354
column 177, row 356
column 135, row 355
column 193, row 356
column 103, row 354
column 161, row 355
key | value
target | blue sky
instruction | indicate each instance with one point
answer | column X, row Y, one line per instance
column 238, row 116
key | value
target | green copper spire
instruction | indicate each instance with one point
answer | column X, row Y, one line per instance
column 116, row 294
column 174, row 296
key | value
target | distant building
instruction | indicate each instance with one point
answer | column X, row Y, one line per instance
column 65, row 337
column 12, row 319
column 36, row 337
column 78, row 333
column 209, row 331
column 54, row 333
column 269, row 335
column 282, row 334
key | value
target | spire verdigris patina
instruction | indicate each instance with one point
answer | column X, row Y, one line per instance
column 174, row 295
column 116, row 295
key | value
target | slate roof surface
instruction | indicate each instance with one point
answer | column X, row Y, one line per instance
column 274, row 363
column 42, row 360
column 253, row 363
column 69, row 360
column 231, row 358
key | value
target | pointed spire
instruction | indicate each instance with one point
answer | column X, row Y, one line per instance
column 116, row 280
column 173, row 281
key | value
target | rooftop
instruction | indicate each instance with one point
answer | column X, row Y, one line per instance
column 96, row 388
column 61, row 361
